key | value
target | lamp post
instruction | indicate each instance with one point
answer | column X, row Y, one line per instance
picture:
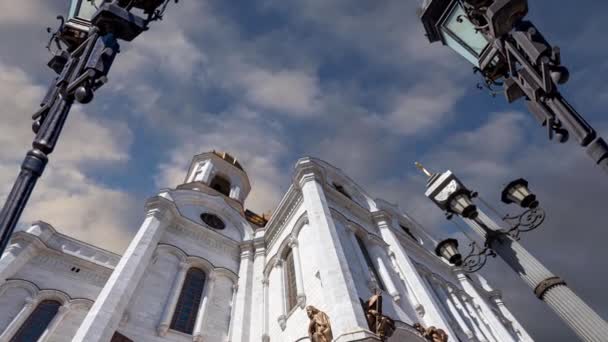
column 585, row 322
column 83, row 48
column 511, row 52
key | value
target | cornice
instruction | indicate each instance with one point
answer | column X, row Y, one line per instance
column 283, row 214
column 307, row 170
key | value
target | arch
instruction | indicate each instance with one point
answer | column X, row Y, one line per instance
column 30, row 287
column 226, row 273
column 164, row 249
column 55, row 295
column 221, row 184
column 198, row 262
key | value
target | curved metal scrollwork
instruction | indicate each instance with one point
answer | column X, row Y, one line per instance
column 476, row 258
column 525, row 222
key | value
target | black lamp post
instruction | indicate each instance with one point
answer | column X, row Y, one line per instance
column 511, row 52
column 84, row 48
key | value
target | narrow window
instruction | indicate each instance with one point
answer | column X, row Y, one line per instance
column 118, row 337
column 189, row 300
column 36, row 324
column 341, row 190
column 409, row 232
column 370, row 264
column 292, row 290
column 221, row 185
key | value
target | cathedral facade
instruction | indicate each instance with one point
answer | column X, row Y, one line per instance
column 202, row 268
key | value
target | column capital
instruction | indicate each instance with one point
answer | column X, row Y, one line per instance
column 380, row 216
column 184, row 266
column 278, row 263
column 64, row 309
column 282, row 321
column 307, row 171
column 293, row 241
column 212, row 276
column 265, row 281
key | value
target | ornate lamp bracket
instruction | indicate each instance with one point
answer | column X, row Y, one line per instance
column 478, row 256
column 525, row 222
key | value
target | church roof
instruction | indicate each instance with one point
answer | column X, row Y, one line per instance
column 229, row 158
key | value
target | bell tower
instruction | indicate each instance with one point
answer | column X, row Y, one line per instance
column 220, row 172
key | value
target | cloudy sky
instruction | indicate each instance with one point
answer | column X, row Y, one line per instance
column 350, row 81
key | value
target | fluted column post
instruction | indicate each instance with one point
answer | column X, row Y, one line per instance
column 178, row 283
column 295, row 251
column 581, row 318
column 203, row 312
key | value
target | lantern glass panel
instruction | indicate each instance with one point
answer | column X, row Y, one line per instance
column 82, row 9
column 460, row 35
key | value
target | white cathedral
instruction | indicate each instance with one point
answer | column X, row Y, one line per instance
column 202, row 268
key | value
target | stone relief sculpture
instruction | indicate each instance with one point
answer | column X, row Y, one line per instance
column 380, row 324
column 319, row 328
column 431, row 333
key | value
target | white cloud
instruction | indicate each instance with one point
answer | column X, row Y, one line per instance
column 65, row 196
column 292, row 92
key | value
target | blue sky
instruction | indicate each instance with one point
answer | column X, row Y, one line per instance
column 352, row 82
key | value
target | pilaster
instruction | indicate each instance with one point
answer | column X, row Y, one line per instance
column 104, row 316
column 203, row 310
column 429, row 310
column 257, row 290
column 240, row 321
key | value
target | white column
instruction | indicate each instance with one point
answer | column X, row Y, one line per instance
column 240, row 322
column 257, row 290
column 371, row 282
column 445, row 296
column 61, row 313
column 459, row 303
column 203, row 312
column 266, row 315
column 178, row 283
column 18, row 321
column 500, row 331
column 295, row 251
column 279, row 267
column 14, row 257
column 102, row 320
column 235, row 291
column 332, row 263
column 378, row 256
column 469, row 306
column 429, row 311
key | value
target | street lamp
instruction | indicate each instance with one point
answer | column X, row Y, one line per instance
column 511, row 52
column 84, row 48
column 585, row 322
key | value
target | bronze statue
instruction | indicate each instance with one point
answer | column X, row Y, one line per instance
column 431, row 333
column 381, row 325
column 319, row 328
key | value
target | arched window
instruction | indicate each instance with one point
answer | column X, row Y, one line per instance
column 36, row 324
column 290, row 276
column 221, row 184
column 118, row 337
column 341, row 190
column 370, row 264
column 189, row 301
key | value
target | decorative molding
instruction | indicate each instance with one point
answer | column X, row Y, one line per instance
column 283, row 214
column 59, row 265
column 282, row 320
column 207, row 239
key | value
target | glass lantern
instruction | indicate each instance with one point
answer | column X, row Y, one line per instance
column 517, row 192
column 459, row 33
column 81, row 13
column 448, row 249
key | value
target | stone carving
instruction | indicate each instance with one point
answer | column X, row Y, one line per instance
column 319, row 328
column 380, row 324
column 431, row 333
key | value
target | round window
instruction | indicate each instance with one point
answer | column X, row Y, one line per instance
column 213, row 221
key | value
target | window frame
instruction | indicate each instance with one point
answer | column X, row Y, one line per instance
column 34, row 319
column 370, row 263
column 221, row 184
column 291, row 284
column 192, row 303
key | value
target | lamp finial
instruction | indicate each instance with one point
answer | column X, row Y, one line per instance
column 425, row 171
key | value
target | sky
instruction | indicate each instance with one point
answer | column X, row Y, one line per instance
column 352, row 82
